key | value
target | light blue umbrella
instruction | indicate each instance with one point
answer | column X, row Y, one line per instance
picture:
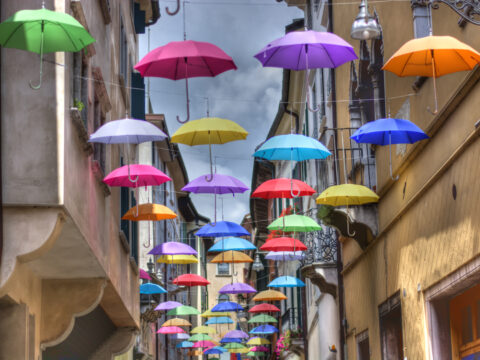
column 292, row 147
column 150, row 288
column 286, row 281
column 127, row 131
column 219, row 320
column 232, row 243
column 184, row 344
column 264, row 329
column 222, row 228
column 227, row 306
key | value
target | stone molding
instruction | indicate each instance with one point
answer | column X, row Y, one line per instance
column 324, row 276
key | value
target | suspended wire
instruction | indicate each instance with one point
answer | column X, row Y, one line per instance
column 258, row 3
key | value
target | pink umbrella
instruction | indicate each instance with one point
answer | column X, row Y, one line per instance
column 170, row 330
column 145, row 175
column 144, row 275
column 260, row 348
column 203, row 344
column 183, row 60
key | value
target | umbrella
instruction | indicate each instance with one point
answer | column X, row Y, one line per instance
column 238, row 351
column 144, row 275
column 269, row 295
column 173, row 248
column 177, row 259
column 227, row 306
column 261, row 308
column 259, row 348
column 210, row 314
column 254, row 354
column 222, row 228
column 282, row 188
column 184, row 344
column 432, row 56
column 232, row 243
column 176, row 322
column 286, row 281
column 200, row 337
column 219, row 320
column 127, row 131
column 220, row 184
column 214, row 350
column 183, row 310
column 292, row 147
column 264, row 329
column 258, row 341
column 150, row 288
column 183, row 60
column 194, row 353
column 225, row 340
column 170, row 330
column 296, row 223
column 231, row 257
column 239, row 334
column 237, row 288
column 145, row 175
column 283, row 244
column 203, row 330
column 182, row 336
column 234, row 345
column 191, row 280
column 167, row 305
column 149, row 212
column 262, row 318
column 43, row 31
column 203, row 344
column 284, row 255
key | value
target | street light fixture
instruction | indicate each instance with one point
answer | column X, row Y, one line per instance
column 365, row 26
column 257, row 264
column 150, row 266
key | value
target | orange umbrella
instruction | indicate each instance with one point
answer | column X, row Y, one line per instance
column 432, row 56
column 176, row 322
column 232, row 256
column 152, row 212
column 195, row 352
column 269, row 295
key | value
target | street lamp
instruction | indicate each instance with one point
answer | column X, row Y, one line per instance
column 150, row 266
column 257, row 264
column 365, row 26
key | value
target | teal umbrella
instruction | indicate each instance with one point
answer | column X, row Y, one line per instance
column 43, row 31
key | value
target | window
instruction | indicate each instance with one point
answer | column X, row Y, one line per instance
column 363, row 348
column 129, row 228
column 223, row 269
column 223, row 298
column 80, row 85
column 391, row 329
column 98, row 148
column 123, row 53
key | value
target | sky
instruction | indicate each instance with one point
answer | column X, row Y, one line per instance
column 249, row 96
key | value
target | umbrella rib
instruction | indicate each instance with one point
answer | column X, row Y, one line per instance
column 66, row 33
column 13, row 32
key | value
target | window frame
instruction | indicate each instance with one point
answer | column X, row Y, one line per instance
column 218, row 273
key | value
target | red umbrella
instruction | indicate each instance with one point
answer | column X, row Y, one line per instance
column 191, row 280
column 260, row 308
column 282, row 188
column 283, row 244
column 183, row 60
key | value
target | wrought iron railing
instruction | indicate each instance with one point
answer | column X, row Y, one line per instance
column 290, row 319
column 322, row 246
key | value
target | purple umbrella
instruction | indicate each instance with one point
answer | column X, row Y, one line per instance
column 167, row 305
column 173, row 248
column 239, row 334
column 303, row 50
column 284, row 255
column 237, row 288
column 179, row 336
column 220, row 184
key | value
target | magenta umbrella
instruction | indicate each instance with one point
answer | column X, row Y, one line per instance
column 237, row 288
column 145, row 175
column 170, row 330
column 203, row 344
column 168, row 305
column 183, row 60
column 144, row 275
column 260, row 348
column 173, row 248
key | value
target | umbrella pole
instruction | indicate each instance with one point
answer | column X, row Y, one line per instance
column 390, row 150
column 348, row 226
column 307, row 87
column 188, row 98
column 127, row 151
column 210, row 155
column 36, row 87
column 434, row 86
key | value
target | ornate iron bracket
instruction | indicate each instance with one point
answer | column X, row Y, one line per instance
column 469, row 10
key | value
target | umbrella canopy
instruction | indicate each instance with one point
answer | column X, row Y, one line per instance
column 220, row 184
column 167, row 305
column 203, row 330
column 347, row 195
column 232, row 243
column 176, row 322
column 234, row 345
column 239, row 334
column 184, row 344
column 144, row 275
column 238, row 351
column 237, row 288
column 219, row 320
column 264, row 329
column 182, row 336
column 283, row 244
column 191, row 280
column 215, row 350
column 284, row 255
column 145, row 175
column 296, row 223
column 200, row 337
column 149, row 212
column 259, row 348
column 254, row 354
column 183, row 310
column 210, row 314
column 173, row 248
column 177, row 259
column 282, row 188
column 203, row 344
column 258, row 341
column 286, row 281
column 225, row 340
column 261, row 308
column 227, row 306
column 262, row 318
column 222, row 228
column 127, row 131
column 170, row 330
column 389, row 131
column 150, row 288
column 231, row 257
column 269, row 295
column 292, row 147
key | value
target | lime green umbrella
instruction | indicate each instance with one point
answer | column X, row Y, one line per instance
column 203, row 330
column 199, row 337
column 232, row 345
column 262, row 318
column 254, row 354
column 43, row 31
column 183, row 310
column 296, row 223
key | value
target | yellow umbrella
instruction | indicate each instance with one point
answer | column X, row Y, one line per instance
column 269, row 295
column 432, row 56
column 203, row 330
column 238, row 351
column 231, row 256
column 152, row 212
column 177, row 259
column 176, row 322
column 258, row 341
column 209, row 314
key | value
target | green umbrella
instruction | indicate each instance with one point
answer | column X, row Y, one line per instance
column 232, row 345
column 254, row 354
column 262, row 318
column 200, row 337
column 295, row 223
column 183, row 310
column 43, row 31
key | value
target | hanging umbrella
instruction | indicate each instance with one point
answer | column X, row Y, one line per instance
column 294, row 223
column 173, row 248
column 258, row 341
column 177, row 259
column 43, row 31
column 222, row 228
column 259, row 348
column 282, row 188
column 127, row 131
column 203, row 330
column 184, row 345
column 239, row 334
column 269, row 295
column 232, row 243
column 219, row 320
column 231, row 257
column 227, row 306
column 226, row 340
column 387, row 132
column 238, row 351
column 215, row 350
column 234, row 345
column 194, row 353
column 144, row 175
column 254, row 354
column 150, row 288
column 167, row 305
column 293, row 147
column 285, row 255
column 200, row 337
column 144, row 275
column 432, row 56
column 209, row 314
column 170, row 330
column 220, row 184
column 237, row 288
column 183, row 310
column 264, row 329
column 261, row 308
column 149, row 212
column 191, row 280
column 262, row 318
column 286, row 281
column 182, row 336
column 283, row 244
column 176, row 322
column 203, row 344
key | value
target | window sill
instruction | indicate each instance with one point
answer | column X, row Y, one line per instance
column 218, row 275
column 134, row 265
column 81, row 130
column 79, row 15
column 99, row 175
column 124, row 242
column 104, row 5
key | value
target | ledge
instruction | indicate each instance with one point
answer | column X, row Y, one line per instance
column 124, row 242
column 79, row 15
column 81, row 130
column 99, row 175
column 322, row 275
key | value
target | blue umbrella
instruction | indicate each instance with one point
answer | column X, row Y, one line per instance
column 387, row 132
column 222, row 228
column 219, row 320
column 215, row 350
column 184, row 344
column 286, row 281
column 227, row 306
column 150, row 288
column 264, row 329
column 127, row 131
column 232, row 243
column 292, row 147
column 230, row 340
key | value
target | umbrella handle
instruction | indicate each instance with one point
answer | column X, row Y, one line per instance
column 307, row 88
column 434, row 112
column 291, row 191
column 188, row 102
column 36, row 87
column 130, row 178
column 210, row 154
column 348, row 226
column 171, row 13
column 390, row 150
